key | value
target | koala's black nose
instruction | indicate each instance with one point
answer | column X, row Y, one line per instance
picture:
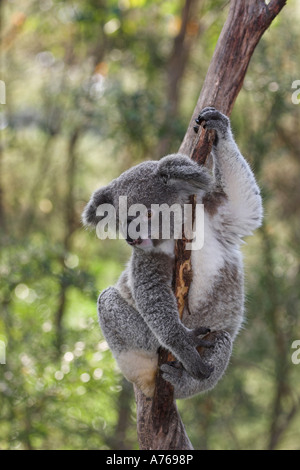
column 132, row 242
column 129, row 240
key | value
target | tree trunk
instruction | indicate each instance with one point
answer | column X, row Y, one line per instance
column 158, row 422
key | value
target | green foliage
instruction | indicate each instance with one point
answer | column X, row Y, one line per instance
column 87, row 89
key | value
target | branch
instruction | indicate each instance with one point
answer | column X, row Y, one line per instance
column 246, row 22
column 159, row 424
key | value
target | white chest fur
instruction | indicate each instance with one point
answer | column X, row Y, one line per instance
column 206, row 264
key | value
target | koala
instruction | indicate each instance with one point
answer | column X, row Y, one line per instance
column 140, row 314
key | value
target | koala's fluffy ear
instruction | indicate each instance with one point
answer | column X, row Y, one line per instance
column 185, row 173
column 101, row 196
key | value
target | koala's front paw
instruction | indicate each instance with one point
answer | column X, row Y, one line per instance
column 214, row 119
column 172, row 372
column 199, row 369
column 193, row 363
column 194, row 336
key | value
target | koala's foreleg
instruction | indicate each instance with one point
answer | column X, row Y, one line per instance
column 156, row 303
column 184, row 384
column 233, row 174
column 132, row 343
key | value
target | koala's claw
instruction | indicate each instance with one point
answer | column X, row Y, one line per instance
column 200, row 369
column 174, row 364
column 204, row 343
column 201, row 118
column 213, row 119
column 202, row 330
column 205, row 370
column 171, row 370
column 200, row 341
column 175, row 369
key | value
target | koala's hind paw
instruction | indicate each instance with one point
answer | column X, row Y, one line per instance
column 185, row 384
column 172, row 371
column 204, row 370
column 198, row 368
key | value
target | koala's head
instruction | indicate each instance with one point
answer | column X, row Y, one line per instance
column 169, row 181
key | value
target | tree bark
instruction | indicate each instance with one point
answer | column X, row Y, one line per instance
column 158, row 422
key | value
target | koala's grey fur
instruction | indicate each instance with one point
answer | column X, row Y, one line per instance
column 140, row 313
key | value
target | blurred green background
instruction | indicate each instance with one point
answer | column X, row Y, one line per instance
column 93, row 87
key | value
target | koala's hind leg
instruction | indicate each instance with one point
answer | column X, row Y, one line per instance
column 186, row 386
column 131, row 341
